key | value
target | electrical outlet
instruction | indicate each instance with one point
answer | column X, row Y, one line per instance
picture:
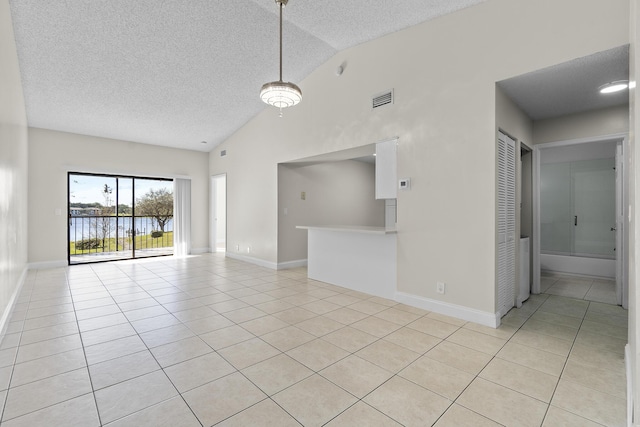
column 248, row 249
column 440, row 287
column 237, row 248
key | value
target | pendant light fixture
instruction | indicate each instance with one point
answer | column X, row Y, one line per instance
column 281, row 94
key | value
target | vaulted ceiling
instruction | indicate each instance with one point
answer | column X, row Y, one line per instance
column 179, row 72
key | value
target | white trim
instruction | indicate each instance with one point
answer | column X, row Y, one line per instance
column 535, row 286
column 252, row 260
column 47, row 264
column 535, row 227
column 292, row 264
column 567, row 142
column 124, row 172
column 198, row 251
column 465, row 313
column 8, row 310
column 627, row 366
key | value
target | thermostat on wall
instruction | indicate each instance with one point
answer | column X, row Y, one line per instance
column 404, row 184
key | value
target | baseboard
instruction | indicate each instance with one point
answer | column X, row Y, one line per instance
column 47, row 264
column 8, row 310
column 292, row 264
column 199, row 251
column 465, row 313
column 630, row 394
column 252, row 260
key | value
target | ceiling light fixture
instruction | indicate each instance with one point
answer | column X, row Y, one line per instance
column 613, row 87
column 281, row 94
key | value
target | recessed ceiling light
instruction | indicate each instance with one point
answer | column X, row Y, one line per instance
column 613, row 87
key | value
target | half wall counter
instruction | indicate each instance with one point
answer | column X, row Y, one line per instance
column 355, row 257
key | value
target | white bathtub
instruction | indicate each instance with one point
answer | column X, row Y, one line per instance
column 582, row 266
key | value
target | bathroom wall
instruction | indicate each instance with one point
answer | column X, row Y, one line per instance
column 606, row 121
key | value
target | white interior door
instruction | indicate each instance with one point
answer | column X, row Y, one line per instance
column 506, row 223
column 218, row 238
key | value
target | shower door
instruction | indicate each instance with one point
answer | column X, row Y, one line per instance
column 577, row 208
column 594, row 201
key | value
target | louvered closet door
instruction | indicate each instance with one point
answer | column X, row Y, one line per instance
column 506, row 223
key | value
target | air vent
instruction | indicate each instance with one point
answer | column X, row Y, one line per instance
column 381, row 99
column 223, row 153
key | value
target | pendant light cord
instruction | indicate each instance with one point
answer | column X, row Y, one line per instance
column 280, row 41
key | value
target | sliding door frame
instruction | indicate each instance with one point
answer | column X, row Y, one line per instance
column 117, row 203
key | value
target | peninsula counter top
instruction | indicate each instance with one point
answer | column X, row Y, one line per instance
column 350, row 228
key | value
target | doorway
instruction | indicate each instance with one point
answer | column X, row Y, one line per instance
column 218, row 238
column 579, row 208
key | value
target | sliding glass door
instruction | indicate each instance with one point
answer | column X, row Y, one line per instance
column 153, row 217
column 118, row 217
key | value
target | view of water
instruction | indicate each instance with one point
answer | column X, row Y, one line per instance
column 84, row 227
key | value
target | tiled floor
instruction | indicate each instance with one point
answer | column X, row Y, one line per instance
column 211, row 341
column 598, row 290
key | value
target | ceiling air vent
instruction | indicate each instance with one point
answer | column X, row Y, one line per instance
column 382, row 99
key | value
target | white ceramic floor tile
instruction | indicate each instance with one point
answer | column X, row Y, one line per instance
column 314, row 401
column 497, row 403
column 204, row 314
column 43, row 393
column 407, row 403
column 170, row 413
column 124, row 368
column 232, row 394
column 77, row 412
column 133, row 395
column 277, row 373
column 45, row 367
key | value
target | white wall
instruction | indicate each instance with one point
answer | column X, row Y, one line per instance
column 337, row 193
column 512, row 120
column 444, row 73
column 52, row 154
column 13, row 167
column 632, row 356
column 607, row 121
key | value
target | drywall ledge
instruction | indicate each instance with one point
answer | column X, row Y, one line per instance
column 469, row 314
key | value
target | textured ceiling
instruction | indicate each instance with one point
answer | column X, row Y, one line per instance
column 571, row 87
column 178, row 72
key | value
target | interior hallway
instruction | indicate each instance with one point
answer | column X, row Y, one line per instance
column 208, row 341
